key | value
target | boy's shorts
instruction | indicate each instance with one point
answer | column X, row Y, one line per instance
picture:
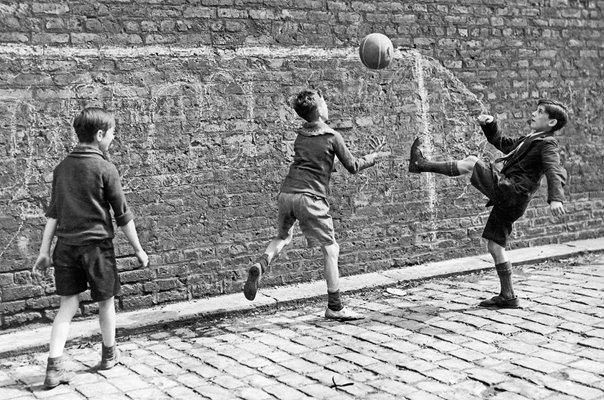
column 77, row 267
column 508, row 204
column 313, row 214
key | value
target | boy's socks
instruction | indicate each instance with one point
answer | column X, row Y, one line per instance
column 263, row 261
column 333, row 301
column 418, row 163
column 109, row 357
column 504, row 271
column 55, row 373
column 448, row 168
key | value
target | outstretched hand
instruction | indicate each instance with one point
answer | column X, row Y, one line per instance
column 40, row 269
column 377, row 144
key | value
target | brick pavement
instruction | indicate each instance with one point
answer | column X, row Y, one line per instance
column 419, row 342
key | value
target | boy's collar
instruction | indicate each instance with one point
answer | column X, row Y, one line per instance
column 318, row 124
column 315, row 128
column 540, row 133
column 83, row 148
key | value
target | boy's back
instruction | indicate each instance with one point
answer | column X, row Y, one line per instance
column 85, row 185
column 315, row 149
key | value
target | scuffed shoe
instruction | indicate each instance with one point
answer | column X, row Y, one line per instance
column 416, row 156
column 251, row 285
column 56, row 373
column 500, row 302
column 110, row 357
column 345, row 314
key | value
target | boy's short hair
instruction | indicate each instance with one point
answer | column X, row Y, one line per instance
column 305, row 104
column 90, row 121
column 555, row 110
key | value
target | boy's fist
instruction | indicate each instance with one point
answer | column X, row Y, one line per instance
column 40, row 268
column 484, row 119
column 143, row 258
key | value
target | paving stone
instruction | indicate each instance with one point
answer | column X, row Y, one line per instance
column 486, row 376
column 284, row 392
column 525, row 389
column 538, row 364
column 589, row 366
column 575, row 389
column 318, row 391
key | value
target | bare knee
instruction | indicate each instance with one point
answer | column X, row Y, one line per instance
column 496, row 250
column 104, row 305
column 332, row 250
column 69, row 304
column 467, row 164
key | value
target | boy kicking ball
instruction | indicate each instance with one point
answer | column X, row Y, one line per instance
column 511, row 187
column 303, row 197
column 85, row 185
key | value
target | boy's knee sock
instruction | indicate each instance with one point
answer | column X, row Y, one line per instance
column 504, row 271
column 263, row 261
column 107, row 352
column 55, row 363
column 448, row 168
column 333, row 301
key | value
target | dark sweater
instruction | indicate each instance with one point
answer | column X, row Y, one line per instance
column 315, row 149
column 85, row 185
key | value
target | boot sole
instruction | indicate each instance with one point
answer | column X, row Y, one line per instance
column 251, row 285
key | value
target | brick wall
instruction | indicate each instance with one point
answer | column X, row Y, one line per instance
column 204, row 138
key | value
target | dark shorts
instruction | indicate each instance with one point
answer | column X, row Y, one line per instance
column 312, row 212
column 79, row 267
column 508, row 204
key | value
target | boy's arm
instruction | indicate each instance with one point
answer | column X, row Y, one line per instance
column 353, row 164
column 130, row 231
column 123, row 216
column 43, row 261
column 555, row 175
column 115, row 196
column 494, row 135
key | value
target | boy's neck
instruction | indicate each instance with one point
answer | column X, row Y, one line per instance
column 316, row 122
column 90, row 144
column 536, row 132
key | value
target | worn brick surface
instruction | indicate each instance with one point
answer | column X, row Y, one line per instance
column 201, row 91
column 329, row 360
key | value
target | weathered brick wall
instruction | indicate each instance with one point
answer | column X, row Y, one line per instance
column 201, row 91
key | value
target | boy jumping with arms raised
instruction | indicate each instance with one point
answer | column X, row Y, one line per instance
column 511, row 187
column 303, row 197
column 85, row 185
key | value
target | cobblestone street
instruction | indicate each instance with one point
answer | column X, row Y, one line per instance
column 423, row 341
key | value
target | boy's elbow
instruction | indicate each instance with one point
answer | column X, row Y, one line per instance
column 124, row 219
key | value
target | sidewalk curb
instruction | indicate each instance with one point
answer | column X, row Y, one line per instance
column 20, row 341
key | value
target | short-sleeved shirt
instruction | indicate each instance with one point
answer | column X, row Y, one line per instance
column 85, row 187
column 315, row 149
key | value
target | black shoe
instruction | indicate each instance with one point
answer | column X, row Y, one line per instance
column 416, row 156
column 500, row 302
column 251, row 285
